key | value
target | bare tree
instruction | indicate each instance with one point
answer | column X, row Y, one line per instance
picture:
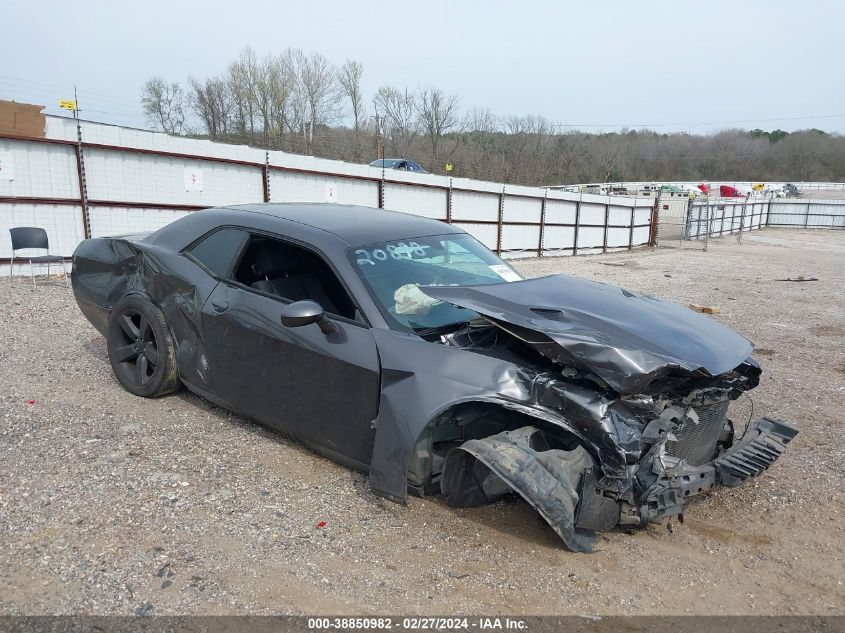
column 438, row 115
column 290, row 99
column 241, row 76
column 349, row 78
column 481, row 120
column 399, row 113
column 163, row 104
column 211, row 102
column 318, row 81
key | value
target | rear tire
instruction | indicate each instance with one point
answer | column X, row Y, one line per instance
column 141, row 349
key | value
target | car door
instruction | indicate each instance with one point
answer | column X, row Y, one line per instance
column 321, row 388
column 193, row 276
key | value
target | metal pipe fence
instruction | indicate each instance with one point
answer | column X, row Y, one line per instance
column 717, row 217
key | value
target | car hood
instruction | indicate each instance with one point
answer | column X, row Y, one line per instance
column 626, row 338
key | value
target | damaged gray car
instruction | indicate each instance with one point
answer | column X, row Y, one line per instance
column 403, row 347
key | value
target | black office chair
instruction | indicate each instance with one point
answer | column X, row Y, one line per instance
column 34, row 237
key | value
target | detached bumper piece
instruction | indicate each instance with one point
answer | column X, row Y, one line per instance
column 480, row 471
column 764, row 441
column 562, row 486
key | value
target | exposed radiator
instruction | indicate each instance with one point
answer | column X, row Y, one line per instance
column 696, row 443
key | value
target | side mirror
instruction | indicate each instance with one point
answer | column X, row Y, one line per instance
column 306, row 312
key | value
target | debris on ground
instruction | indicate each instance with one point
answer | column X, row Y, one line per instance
column 705, row 309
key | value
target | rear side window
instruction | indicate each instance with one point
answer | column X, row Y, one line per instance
column 218, row 251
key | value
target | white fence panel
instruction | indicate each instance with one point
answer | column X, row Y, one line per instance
column 808, row 213
column 558, row 240
column 519, row 209
column 38, row 170
column 593, row 215
column 130, row 177
column 471, row 205
column 106, row 221
column 524, row 239
column 426, row 201
column 300, row 187
column 561, row 211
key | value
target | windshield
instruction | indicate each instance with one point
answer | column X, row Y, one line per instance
column 393, row 272
column 384, row 162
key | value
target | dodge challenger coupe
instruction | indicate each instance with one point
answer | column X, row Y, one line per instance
column 402, row 347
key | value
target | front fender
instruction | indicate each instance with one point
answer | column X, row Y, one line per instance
column 421, row 380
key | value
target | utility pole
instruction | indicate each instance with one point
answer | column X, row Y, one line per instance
column 378, row 137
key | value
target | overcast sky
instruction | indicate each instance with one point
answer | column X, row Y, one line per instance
column 691, row 66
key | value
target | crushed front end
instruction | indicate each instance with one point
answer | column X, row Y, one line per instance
column 617, row 405
column 588, row 457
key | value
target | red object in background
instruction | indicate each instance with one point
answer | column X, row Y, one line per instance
column 322, row 524
column 726, row 191
column 30, row 401
column 705, row 189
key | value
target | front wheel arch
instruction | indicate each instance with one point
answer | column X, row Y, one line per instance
column 477, row 419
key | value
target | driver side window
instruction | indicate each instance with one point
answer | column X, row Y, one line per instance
column 293, row 273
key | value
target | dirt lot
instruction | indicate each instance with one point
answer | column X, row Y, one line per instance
column 114, row 504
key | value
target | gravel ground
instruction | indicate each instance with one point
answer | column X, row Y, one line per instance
column 115, row 504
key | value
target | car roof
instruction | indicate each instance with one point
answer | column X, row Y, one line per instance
column 356, row 225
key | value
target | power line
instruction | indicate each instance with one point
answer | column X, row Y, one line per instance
column 123, row 101
column 43, row 86
column 642, row 125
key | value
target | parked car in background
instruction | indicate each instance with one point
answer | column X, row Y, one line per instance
column 729, row 191
column 791, row 191
column 672, row 191
column 597, row 189
column 398, row 163
column 691, row 191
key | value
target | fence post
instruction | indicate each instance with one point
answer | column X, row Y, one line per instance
column 631, row 233
column 655, row 219
column 265, row 176
column 606, row 222
column 807, row 215
column 80, row 172
column 707, row 227
column 577, row 222
column 381, row 190
column 499, row 223
column 449, row 203
column 542, row 223
column 687, row 219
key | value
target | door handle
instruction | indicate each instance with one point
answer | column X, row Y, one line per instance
column 219, row 305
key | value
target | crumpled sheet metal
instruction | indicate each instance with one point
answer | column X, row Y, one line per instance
column 410, row 400
column 627, row 339
column 546, row 479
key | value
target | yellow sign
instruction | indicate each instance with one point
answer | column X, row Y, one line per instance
column 67, row 104
column 448, row 166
